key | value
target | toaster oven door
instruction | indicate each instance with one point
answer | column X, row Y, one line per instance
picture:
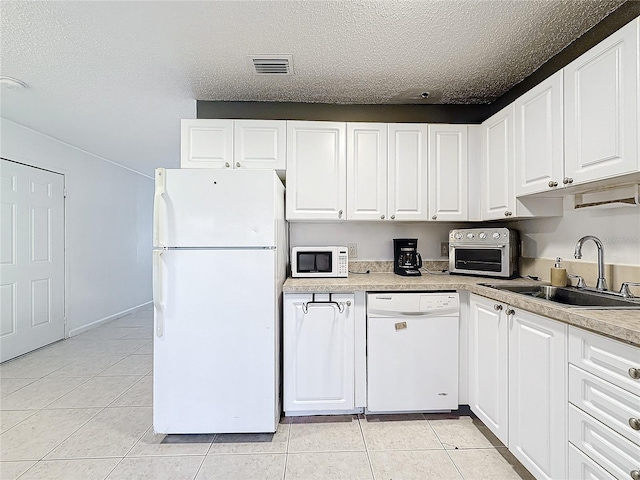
column 480, row 260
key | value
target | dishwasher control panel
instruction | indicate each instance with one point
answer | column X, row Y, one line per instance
column 414, row 303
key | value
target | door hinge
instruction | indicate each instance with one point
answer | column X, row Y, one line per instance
column 64, row 193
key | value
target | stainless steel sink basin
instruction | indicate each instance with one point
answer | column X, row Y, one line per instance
column 571, row 296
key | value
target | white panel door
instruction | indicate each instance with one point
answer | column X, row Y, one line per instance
column 539, row 138
column 316, row 171
column 319, row 353
column 537, row 398
column 366, row 171
column 215, row 208
column 488, row 365
column 601, row 89
column 31, row 258
column 215, row 342
column 408, row 199
column 260, row 144
column 498, row 195
column 448, row 186
column 206, row 143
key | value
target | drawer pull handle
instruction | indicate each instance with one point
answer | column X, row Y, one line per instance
column 634, row 373
column 634, row 423
column 635, row 474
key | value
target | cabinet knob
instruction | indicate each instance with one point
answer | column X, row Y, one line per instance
column 340, row 214
column 497, row 307
column 553, row 184
column 238, row 164
column 567, row 180
column 634, row 373
column 510, row 311
column 382, row 217
column 393, row 217
column 226, row 164
column 434, row 217
column 507, row 213
column 635, row 474
column 634, row 423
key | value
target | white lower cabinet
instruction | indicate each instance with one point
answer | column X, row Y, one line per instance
column 537, row 399
column 604, row 407
column 319, row 353
column 488, row 364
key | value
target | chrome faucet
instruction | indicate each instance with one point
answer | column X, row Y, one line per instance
column 601, row 283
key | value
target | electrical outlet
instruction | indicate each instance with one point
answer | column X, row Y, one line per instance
column 353, row 250
column 444, row 249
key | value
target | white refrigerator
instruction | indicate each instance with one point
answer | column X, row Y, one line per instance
column 219, row 262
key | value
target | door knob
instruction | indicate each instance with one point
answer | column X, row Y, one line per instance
column 226, row 164
column 238, row 164
column 382, row 217
column 635, row 474
column 393, row 217
column 553, row 184
column 497, row 307
column 634, row 423
column 510, row 311
column 634, row 373
column 507, row 213
column 340, row 214
column 434, row 217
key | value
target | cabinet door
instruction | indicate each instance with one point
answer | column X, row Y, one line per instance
column 601, row 105
column 318, row 353
column 366, row 171
column 206, row 143
column 316, row 171
column 408, row 198
column 537, row 398
column 498, row 196
column 488, row 347
column 539, row 153
column 260, row 144
column 448, row 172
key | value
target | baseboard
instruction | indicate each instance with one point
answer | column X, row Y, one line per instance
column 97, row 323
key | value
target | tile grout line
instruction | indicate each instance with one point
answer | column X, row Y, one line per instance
column 445, row 449
column 366, row 448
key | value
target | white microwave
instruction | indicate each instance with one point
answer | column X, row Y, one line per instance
column 321, row 262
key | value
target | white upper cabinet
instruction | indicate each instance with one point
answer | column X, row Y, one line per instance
column 448, row 189
column 206, row 144
column 539, row 152
column 316, row 171
column 366, row 171
column 601, row 89
column 407, row 194
column 233, row 144
column 498, row 196
column 260, row 144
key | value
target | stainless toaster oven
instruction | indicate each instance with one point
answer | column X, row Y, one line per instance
column 490, row 252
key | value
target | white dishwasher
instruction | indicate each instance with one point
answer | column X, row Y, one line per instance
column 412, row 352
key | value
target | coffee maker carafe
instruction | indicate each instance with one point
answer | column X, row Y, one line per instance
column 406, row 259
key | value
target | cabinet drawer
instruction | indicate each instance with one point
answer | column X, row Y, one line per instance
column 608, row 403
column 608, row 359
column 582, row 467
column 612, row 451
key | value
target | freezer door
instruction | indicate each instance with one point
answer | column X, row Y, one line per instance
column 216, row 208
column 215, row 342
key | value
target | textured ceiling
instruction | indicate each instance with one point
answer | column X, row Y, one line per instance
column 114, row 78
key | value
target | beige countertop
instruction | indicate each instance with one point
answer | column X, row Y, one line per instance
column 619, row 324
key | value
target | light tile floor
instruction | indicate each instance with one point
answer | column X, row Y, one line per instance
column 81, row 409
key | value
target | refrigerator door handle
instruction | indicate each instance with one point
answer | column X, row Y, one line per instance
column 157, row 292
column 161, row 175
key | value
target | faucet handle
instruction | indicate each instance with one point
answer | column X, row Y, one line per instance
column 581, row 283
column 624, row 289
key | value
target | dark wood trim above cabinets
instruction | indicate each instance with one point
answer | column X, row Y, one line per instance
column 420, row 113
column 429, row 113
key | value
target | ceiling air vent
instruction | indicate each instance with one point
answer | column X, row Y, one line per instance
column 272, row 64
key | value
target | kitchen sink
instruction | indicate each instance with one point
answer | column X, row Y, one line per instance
column 572, row 296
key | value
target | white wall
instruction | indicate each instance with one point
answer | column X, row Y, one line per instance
column 374, row 239
column 618, row 229
column 108, row 214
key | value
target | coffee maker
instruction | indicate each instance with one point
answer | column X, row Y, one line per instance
column 406, row 259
